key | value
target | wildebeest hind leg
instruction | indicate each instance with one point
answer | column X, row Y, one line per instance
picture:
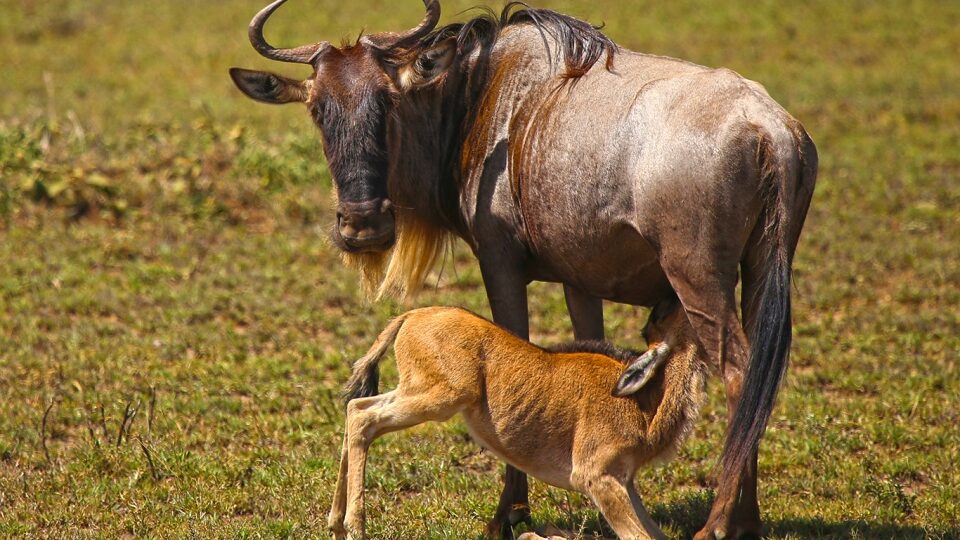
column 707, row 293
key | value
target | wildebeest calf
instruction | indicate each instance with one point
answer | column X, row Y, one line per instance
column 583, row 417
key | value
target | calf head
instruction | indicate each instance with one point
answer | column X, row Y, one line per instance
column 666, row 328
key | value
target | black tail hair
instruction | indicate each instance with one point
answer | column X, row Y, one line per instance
column 770, row 340
column 367, row 385
column 365, row 379
column 770, row 333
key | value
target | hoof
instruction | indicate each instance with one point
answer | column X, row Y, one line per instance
column 501, row 527
column 500, row 530
column 338, row 531
column 720, row 533
column 519, row 513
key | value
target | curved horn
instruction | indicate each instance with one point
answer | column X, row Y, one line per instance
column 389, row 40
column 300, row 55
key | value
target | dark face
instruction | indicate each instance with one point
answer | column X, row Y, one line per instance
column 350, row 99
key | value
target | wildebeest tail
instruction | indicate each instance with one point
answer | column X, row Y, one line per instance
column 788, row 177
column 365, row 379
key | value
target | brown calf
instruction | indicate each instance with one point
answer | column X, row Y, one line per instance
column 583, row 417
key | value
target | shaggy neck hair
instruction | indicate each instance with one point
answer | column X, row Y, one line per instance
column 426, row 190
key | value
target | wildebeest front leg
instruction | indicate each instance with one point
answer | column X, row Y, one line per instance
column 507, row 294
column 586, row 313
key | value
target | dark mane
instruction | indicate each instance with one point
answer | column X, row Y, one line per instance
column 596, row 347
column 583, row 44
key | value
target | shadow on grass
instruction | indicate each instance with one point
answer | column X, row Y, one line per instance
column 688, row 514
column 685, row 516
column 815, row 528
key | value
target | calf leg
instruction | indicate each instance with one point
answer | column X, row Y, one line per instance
column 622, row 509
column 370, row 418
column 641, row 512
column 507, row 293
column 338, row 509
column 346, row 519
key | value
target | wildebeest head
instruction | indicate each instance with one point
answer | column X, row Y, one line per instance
column 350, row 96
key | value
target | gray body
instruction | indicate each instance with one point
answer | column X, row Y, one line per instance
column 578, row 181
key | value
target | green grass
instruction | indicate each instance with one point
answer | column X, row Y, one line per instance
column 162, row 251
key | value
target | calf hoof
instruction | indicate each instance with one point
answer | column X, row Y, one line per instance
column 339, row 532
column 548, row 533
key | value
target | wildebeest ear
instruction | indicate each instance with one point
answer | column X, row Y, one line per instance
column 640, row 371
column 269, row 87
column 429, row 65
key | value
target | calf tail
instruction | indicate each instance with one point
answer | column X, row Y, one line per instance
column 365, row 379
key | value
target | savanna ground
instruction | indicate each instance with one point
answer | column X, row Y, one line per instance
column 174, row 325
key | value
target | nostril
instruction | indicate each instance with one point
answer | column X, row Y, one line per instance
column 366, row 223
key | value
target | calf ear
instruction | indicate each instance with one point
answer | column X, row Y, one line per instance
column 269, row 87
column 640, row 371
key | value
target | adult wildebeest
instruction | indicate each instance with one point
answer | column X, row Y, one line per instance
column 630, row 180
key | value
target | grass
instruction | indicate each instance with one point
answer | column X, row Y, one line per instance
column 173, row 325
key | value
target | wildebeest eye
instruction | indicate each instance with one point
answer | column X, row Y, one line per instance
column 425, row 64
